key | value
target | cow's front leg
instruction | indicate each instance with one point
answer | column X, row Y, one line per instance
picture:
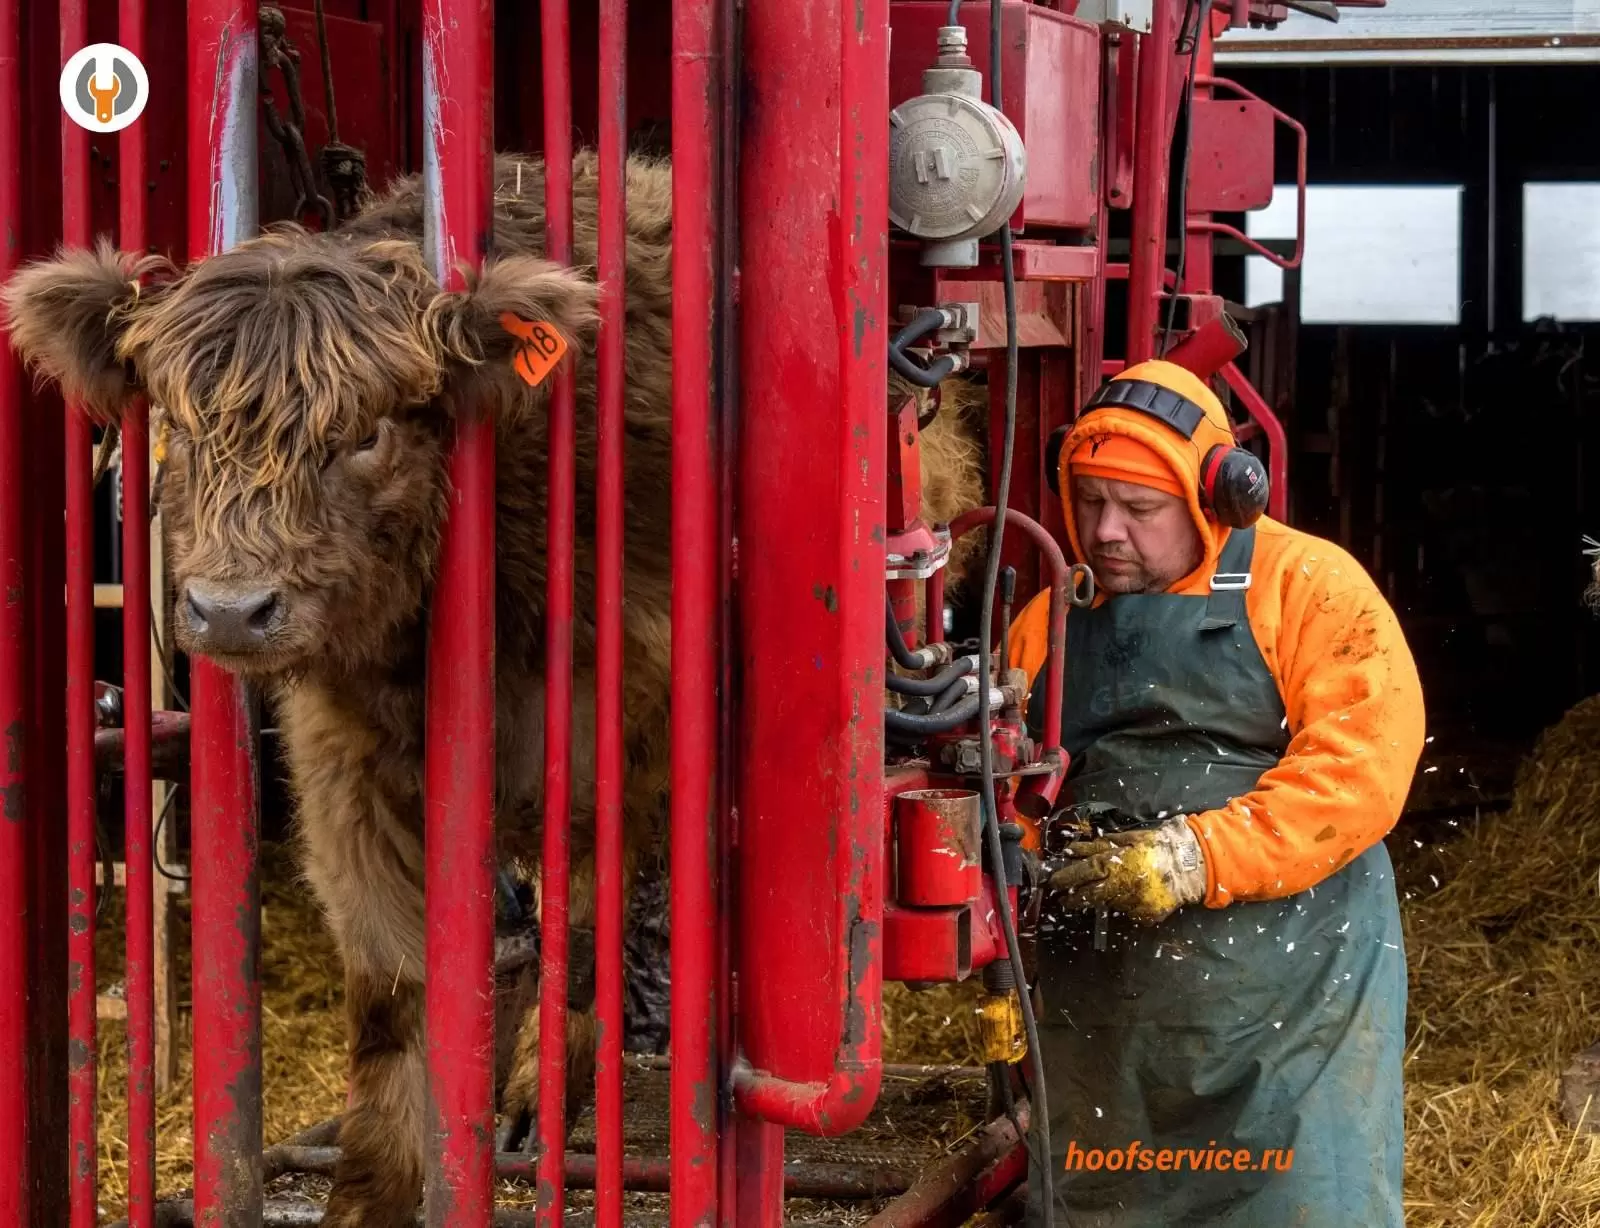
column 520, row 1107
column 378, row 1180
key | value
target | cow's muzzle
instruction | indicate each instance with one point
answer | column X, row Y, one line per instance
column 233, row 622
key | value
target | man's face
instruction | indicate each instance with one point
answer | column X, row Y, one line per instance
column 1139, row 539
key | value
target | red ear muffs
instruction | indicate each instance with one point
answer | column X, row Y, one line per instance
column 1233, row 486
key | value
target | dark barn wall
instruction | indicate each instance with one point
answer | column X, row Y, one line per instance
column 1455, row 462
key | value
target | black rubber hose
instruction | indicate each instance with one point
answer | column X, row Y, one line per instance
column 935, row 685
column 897, row 642
column 950, row 695
column 939, row 722
column 928, row 320
column 1040, row 1112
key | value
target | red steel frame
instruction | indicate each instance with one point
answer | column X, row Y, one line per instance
column 801, row 1046
column 75, row 227
column 15, row 668
column 136, row 629
column 458, row 66
column 225, row 826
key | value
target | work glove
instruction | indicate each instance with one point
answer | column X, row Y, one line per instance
column 1148, row 873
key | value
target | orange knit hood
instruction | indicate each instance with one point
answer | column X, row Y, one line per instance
column 1183, row 456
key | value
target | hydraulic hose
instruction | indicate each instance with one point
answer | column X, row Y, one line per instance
column 928, row 320
column 935, row 685
column 920, row 659
column 938, row 722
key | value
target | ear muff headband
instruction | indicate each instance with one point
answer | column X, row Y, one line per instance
column 1233, row 484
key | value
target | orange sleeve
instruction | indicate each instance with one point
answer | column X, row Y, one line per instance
column 1356, row 719
column 1030, row 637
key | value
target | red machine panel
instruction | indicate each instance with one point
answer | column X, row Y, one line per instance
column 1051, row 91
column 1230, row 167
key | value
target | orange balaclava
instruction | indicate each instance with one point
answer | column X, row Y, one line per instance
column 1127, row 445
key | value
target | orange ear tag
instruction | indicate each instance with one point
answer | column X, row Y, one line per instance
column 541, row 349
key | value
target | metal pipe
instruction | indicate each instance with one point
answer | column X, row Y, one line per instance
column 611, row 374
column 458, row 101
column 937, row 1195
column 15, row 701
column 1148, row 253
column 555, row 862
column 81, row 791
column 226, row 888
column 649, row 1174
column 136, row 716
column 696, row 504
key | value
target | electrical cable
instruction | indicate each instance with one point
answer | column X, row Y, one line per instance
column 1039, row 1111
column 953, row 18
column 928, row 320
column 1193, row 39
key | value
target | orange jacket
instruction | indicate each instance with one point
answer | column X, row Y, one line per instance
column 1350, row 689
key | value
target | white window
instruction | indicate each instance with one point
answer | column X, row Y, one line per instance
column 1373, row 254
column 1561, row 251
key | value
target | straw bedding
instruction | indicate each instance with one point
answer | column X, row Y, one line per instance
column 1502, row 918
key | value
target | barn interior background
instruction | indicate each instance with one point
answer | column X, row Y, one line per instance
column 1430, row 362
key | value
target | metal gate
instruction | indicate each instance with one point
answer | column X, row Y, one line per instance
column 795, row 844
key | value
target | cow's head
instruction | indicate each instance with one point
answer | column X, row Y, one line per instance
column 308, row 385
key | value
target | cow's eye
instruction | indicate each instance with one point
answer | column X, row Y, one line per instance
column 367, row 444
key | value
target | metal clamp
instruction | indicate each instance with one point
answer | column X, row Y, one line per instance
column 1230, row 581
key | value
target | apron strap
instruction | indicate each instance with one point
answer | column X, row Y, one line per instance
column 1225, row 607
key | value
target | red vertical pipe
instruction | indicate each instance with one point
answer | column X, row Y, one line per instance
column 14, row 671
column 612, row 266
column 555, row 870
column 1148, row 255
column 814, row 248
column 136, row 704
column 81, row 793
column 226, row 888
column 695, row 659
column 458, row 160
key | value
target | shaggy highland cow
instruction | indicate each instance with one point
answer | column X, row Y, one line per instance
column 308, row 382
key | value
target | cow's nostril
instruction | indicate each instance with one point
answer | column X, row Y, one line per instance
column 265, row 612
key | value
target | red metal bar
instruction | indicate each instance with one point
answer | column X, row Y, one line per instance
column 458, row 99
column 136, row 717
column 555, row 862
column 611, row 375
column 1152, row 145
column 946, row 1194
column 15, row 706
column 695, row 592
column 1206, row 227
column 1277, row 439
column 226, row 888
column 81, row 792
column 813, row 611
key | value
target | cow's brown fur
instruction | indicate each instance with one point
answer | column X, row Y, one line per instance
column 309, row 383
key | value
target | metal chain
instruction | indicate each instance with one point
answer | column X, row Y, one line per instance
column 343, row 166
column 278, row 52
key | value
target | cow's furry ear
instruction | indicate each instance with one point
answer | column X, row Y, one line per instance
column 66, row 316
column 518, row 321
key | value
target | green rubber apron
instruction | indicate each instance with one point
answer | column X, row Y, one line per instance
column 1260, row 1026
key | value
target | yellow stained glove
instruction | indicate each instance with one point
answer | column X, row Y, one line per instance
column 1148, row 873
